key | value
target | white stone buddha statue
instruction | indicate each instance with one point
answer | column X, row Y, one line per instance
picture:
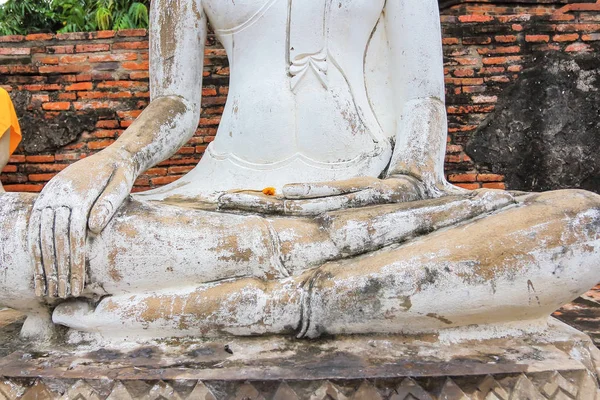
column 337, row 105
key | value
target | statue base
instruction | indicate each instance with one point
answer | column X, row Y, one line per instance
column 558, row 363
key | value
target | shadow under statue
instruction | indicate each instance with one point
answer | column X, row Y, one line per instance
column 339, row 107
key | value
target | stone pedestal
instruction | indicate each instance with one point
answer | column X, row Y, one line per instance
column 560, row 363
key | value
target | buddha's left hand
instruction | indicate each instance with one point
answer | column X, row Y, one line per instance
column 306, row 199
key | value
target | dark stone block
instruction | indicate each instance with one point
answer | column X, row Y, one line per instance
column 545, row 131
column 42, row 135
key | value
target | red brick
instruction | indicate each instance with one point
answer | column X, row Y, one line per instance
column 67, row 96
column 450, row 41
column 9, row 169
column 102, row 144
column 578, row 27
column 95, row 105
column 463, row 178
column 73, row 59
column 475, row 18
column 578, row 47
column 40, row 177
column 163, row 180
column 132, row 32
column 23, row 188
column 490, row 178
column 17, row 159
column 500, row 50
column 72, row 36
column 39, row 36
column 501, row 60
column 130, row 45
column 494, row 185
column 68, row 157
column 106, row 133
column 12, row 39
column 91, row 48
column 131, row 65
column 102, row 34
column 139, row 75
column 537, row 38
column 61, row 49
column 506, row 38
column 52, row 60
column 122, row 85
column 40, row 159
column 64, row 69
column 41, row 98
column 569, row 37
column 15, row 51
column 45, row 88
column 80, row 86
column 180, row 169
column 590, row 37
column 515, row 68
column 57, row 106
column 156, row 172
column 107, row 124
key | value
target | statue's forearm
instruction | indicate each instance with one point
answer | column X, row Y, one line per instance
column 177, row 37
column 414, row 35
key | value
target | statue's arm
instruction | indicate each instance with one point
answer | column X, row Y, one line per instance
column 414, row 34
column 177, row 37
column 86, row 195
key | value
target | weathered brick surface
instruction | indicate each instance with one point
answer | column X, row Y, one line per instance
column 105, row 73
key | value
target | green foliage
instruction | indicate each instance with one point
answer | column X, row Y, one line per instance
column 121, row 14
column 19, row 17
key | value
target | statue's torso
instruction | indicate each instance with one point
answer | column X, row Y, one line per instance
column 298, row 108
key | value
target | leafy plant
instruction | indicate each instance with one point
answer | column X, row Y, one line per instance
column 121, row 14
column 18, row 17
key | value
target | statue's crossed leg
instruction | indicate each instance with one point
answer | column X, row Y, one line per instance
column 518, row 264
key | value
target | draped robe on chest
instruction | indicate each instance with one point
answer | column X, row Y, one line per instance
column 308, row 98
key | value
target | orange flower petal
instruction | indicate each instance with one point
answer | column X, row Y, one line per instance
column 270, row 191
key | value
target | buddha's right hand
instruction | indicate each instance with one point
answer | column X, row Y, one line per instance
column 311, row 199
column 87, row 193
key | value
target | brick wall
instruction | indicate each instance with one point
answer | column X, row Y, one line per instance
column 103, row 76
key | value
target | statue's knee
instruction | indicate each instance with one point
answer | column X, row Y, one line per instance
column 569, row 202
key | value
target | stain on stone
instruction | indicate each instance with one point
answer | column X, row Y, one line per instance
column 439, row 317
column 545, row 131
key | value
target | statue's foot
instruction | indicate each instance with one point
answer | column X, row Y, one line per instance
column 74, row 314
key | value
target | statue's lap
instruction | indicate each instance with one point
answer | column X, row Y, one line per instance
column 183, row 271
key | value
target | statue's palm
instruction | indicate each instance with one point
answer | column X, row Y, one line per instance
column 86, row 193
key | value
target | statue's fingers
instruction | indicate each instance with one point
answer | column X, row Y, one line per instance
column 48, row 254
column 77, row 242
column 110, row 200
column 252, row 202
column 298, row 191
column 61, row 244
column 312, row 207
column 39, row 277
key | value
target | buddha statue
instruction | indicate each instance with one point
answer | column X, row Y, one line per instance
column 337, row 107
